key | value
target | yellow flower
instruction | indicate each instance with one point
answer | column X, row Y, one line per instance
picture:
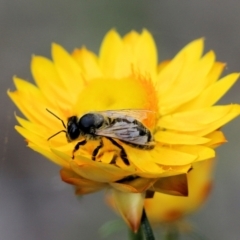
column 177, row 97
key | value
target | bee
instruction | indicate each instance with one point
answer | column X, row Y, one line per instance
column 124, row 125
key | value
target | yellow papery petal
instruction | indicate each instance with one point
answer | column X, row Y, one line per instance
column 202, row 152
column 217, row 90
column 32, row 137
column 213, row 93
column 148, row 169
column 184, row 60
column 162, row 65
column 137, row 185
column 88, row 62
column 144, row 52
column 49, row 155
column 233, row 113
column 159, row 155
column 68, row 70
column 217, row 138
column 42, row 132
column 38, row 144
column 82, row 185
column 192, row 51
column 101, row 95
column 167, row 76
column 26, row 87
column 131, row 38
column 46, row 77
column 177, row 138
column 199, row 120
column 181, row 68
column 194, row 78
column 110, row 51
column 215, row 72
column 99, row 172
column 130, row 206
column 28, row 93
column 33, row 128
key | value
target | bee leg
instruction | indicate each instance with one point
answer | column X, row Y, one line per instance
column 123, row 154
column 95, row 151
column 77, row 146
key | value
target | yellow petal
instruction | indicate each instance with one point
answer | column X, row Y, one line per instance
column 33, row 128
column 234, row 111
column 30, row 101
column 82, row 185
column 213, row 93
column 217, row 138
column 137, row 185
column 88, row 62
column 177, row 138
column 203, row 120
column 134, row 53
column 162, row 65
column 180, row 63
column 159, row 155
column 144, row 51
column 130, row 206
column 110, row 50
column 41, row 145
column 215, row 72
column 48, row 154
column 50, row 84
column 167, row 76
column 202, row 152
column 192, row 51
column 97, row 171
column 218, row 89
column 101, row 95
column 195, row 79
column 32, row 137
column 69, row 71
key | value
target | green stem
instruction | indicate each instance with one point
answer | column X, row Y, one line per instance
column 147, row 227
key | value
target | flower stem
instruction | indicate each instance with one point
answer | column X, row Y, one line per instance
column 146, row 227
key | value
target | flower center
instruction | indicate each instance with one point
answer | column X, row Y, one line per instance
column 115, row 94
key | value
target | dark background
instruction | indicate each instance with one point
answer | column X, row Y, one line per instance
column 34, row 203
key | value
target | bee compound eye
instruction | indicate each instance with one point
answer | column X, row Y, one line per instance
column 73, row 132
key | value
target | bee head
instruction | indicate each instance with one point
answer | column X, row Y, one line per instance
column 73, row 130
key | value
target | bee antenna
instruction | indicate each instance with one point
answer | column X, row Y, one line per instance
column 58, row 119
column 56, row 134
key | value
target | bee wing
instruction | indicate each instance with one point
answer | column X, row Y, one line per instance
column 138, row 114
column 125, row 131
column 147, row 117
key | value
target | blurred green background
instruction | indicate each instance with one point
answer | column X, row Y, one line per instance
column 34, row 203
